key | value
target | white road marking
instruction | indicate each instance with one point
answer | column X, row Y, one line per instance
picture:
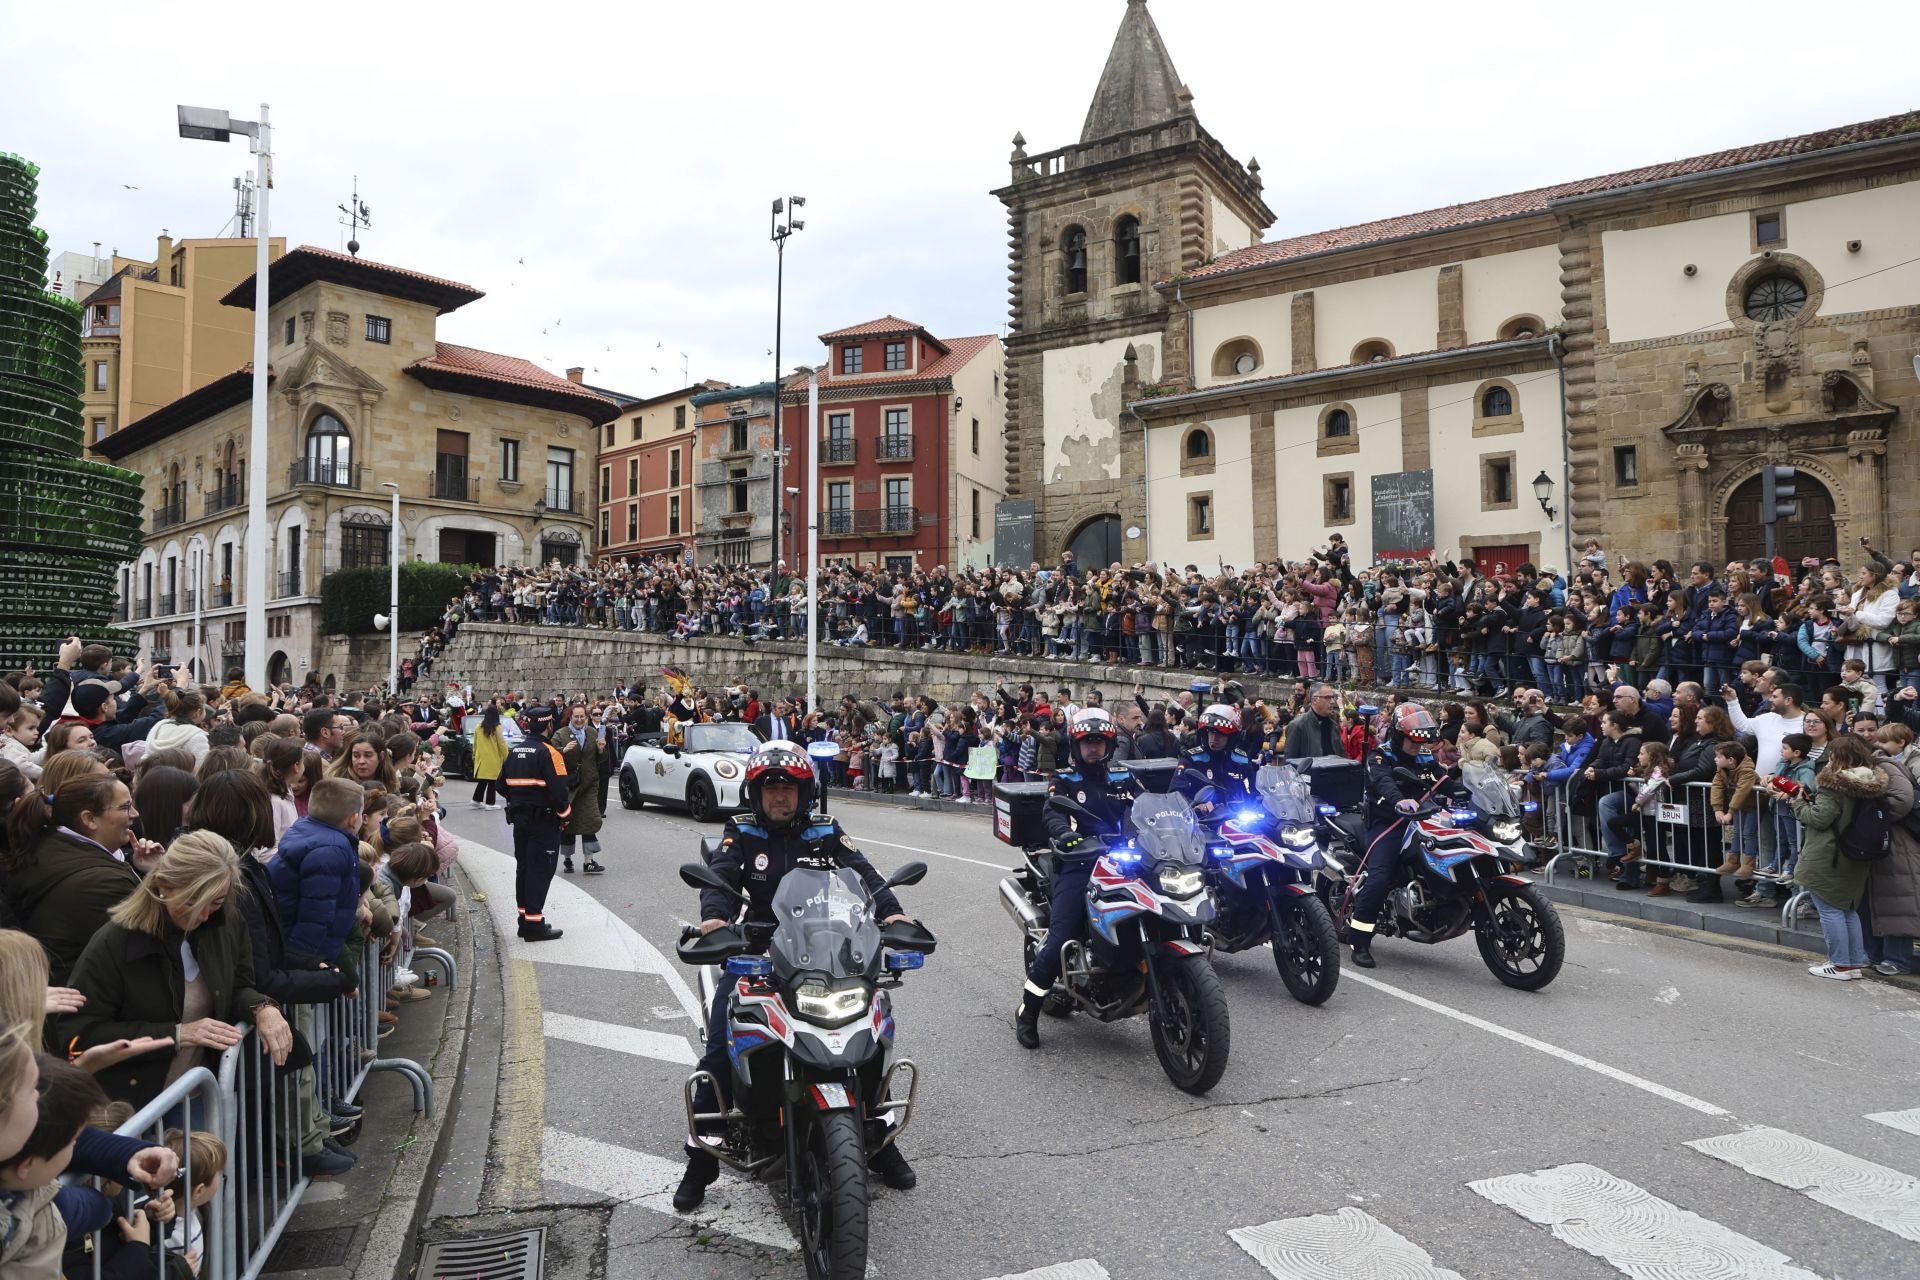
column 735, row 1208
column 608, row 1035
column 1668, row 995
column 1637, row 1232
column 595, row 937
column 931, row 853
column 1907, row 1121
column 1084, row 1269
column 1873, row 1193
column 1554, row 1050
column 1346, row 1244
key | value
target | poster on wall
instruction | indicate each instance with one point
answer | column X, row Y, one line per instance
column 1403, row 515
column 1013, row 533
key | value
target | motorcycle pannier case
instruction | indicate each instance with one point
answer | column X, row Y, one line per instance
column 1016, row 813
column 1336, row 780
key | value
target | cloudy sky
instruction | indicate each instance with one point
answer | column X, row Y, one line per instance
column 604, row 171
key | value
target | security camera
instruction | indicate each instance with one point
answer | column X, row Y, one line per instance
column 1853, row 246
column 1690, row 269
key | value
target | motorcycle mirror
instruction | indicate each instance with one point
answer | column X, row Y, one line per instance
column 909, row 873
column 699, row 875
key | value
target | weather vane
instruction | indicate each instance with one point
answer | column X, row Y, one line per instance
column 357, row 216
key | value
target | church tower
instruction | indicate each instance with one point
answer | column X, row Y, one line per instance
column 1093, row 229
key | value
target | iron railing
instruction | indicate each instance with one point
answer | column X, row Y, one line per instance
column 169, row 515
column 896, row 448
column 872, row 520
column 227, row 496
column 164, row 605
column 841, row 449
column 322, row 471
column 289, row 582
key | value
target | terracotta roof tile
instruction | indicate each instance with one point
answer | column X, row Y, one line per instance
column 873, row 328
column 1537, row 200
column 957, row 352
column 512, row 371
column 299, row 267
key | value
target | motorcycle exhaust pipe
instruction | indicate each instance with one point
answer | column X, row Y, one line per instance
column 1019, row 906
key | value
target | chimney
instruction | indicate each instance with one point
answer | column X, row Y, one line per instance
column 576, row 374
column 163, row 255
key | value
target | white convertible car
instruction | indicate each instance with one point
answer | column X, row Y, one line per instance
column 703, row 775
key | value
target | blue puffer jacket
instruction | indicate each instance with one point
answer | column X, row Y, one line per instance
column 316, row 886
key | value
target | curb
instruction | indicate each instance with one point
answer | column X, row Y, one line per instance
column 1761, row 927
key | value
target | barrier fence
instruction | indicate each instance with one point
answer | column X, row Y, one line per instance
column 268, row 1118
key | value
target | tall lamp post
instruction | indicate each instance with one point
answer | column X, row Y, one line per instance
column 206, row 124
column 784, row 225
column 393, row 594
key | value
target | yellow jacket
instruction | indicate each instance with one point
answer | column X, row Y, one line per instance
column 489, row 753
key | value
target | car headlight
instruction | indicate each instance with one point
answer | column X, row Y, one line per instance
column 1180, row 882
column 830, row 1006
column 1297, row 838
column 726, row 769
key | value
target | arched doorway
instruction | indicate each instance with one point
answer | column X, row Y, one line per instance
column 1811, row 533
column 279, row 669
column 1097, row 544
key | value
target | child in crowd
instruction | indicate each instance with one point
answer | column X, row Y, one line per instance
column 1652, row 766
column 1334, row 642
column 1735, row 810
column 207, row 1156
column 35, row 1212
column 1903, row 636
column 1360, row 646
column 21, row 737
column 1864, row 693
column 857, row 765
column 1796, row 777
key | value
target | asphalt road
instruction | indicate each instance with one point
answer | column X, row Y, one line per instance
column 1424, row 1122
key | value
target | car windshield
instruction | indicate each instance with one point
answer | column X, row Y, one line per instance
column 728, row 736
column 1488, row 786
column 1287, row 795
column 823, row 924
column 1167, row 830
column 508, row 729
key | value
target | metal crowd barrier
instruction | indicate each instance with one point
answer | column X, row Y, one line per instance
column 260, row 1113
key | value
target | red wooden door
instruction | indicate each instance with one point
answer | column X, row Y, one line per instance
column 1499, row 562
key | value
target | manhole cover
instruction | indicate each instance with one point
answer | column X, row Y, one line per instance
column 310, row 1250
column 514, row 1256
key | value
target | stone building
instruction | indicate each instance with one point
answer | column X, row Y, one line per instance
column 491, row 453
column 1615, row 357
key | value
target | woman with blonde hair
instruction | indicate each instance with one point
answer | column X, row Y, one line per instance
column 172, row 960
column 26, row 1001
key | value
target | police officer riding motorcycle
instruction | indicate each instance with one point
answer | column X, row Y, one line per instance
column 1102, row 793
column 1215, row 772
column 756, row 849
column 1393, row 769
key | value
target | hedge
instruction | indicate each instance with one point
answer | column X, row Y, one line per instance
column 350, row 597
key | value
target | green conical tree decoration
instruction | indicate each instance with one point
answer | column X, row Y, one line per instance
column 66, row 522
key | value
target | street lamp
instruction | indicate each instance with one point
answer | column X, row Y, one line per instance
column 1543, row 490
column 393, row 594
column 781, row 230
column 205, row 124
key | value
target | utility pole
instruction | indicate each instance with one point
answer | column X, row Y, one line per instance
column 784, row 225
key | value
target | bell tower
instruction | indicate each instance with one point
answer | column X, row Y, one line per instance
column 1095, row 233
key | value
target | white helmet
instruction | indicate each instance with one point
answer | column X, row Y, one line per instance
column 1220, row 718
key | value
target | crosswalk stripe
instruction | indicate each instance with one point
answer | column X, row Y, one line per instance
column 637, row 1041
column 1084, row 1269
column 1636, row 1231
column 733, row 1207
column 1907, row 1121
column 1873, row 1193
column 1344, row 1245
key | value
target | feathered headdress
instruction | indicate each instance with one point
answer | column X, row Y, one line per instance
column 679, row 683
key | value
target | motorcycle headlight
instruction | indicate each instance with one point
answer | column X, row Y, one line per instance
column 830, row 1006
column 1298, row 839
column 1180, row 882
column 726, row 769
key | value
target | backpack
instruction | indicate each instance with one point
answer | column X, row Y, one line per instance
column 1868, row 835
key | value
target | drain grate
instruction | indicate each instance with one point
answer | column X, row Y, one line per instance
column 311, row 1250
column 514, row 1256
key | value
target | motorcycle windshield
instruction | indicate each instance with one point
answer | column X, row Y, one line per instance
column 1167, row 830
column 1287, row 795
column 1491, row 791
column 822, row 924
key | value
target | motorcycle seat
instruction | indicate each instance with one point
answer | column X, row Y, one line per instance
column 1351, row 825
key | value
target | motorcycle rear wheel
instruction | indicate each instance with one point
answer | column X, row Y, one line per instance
column 1191, row 1035
column 833, row 1198
column 1526, row 943
column 1306, row 947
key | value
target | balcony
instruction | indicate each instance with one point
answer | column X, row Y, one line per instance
column 563, row 501
column 896, row 448
column 220, row 598
column 189, row 601
column 119, row 611
column 171, row 514
column 840, row 449
column 226, row 497
column 450, row 488
column 143, row 609
column 872, row 522
column 166, row 605
column 323, row 472
column 288, row 583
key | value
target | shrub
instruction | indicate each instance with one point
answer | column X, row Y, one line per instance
column 350, row 597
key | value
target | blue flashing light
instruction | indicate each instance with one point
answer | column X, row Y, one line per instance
column 1464, row 815
column 1326, row 810
column 749, row 966
column 823, row 750
column 1127, row 857
column 1249, row 815
column 901, row 961
column 1530, row 806
column 1220, row 853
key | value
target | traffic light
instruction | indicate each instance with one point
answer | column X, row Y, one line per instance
column 1777, row 500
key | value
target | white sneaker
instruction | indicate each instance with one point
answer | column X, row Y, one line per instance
column 1833, row 971
column 405, row 978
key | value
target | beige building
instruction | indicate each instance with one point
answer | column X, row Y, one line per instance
column 1646, row 341
column 155, row 331
column 492, row 454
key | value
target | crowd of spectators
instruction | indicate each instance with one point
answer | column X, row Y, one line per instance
column 181, row 864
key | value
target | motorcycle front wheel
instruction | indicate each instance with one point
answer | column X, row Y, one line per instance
column 833, row 1198
column 1306, row 947
column 1189, row 1024
column 1522, row 939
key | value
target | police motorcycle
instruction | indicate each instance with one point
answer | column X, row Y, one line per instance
column 1452, row 876
column 1261, row 869
column 811, row 1042
column 1147, row 910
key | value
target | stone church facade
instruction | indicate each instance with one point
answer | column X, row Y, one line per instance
column 1633, row 347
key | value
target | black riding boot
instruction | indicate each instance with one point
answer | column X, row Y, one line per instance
column 1362, row 940
column 702, row 1168
column 893, row 1167
column 1026, row 1024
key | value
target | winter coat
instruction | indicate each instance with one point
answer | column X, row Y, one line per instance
column 62, row 893
column 1869, row 618
column 136, row 986
column 1610, row 761
column 1893, row 883
column 283, row 981
column 583, row 779
column 1714, row 634
column 1693, row 762
column 489, row 753
column 1568, row 760
column 1839, row 881
column 32, row 1233
column 1733, row 788
column 316, row 887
